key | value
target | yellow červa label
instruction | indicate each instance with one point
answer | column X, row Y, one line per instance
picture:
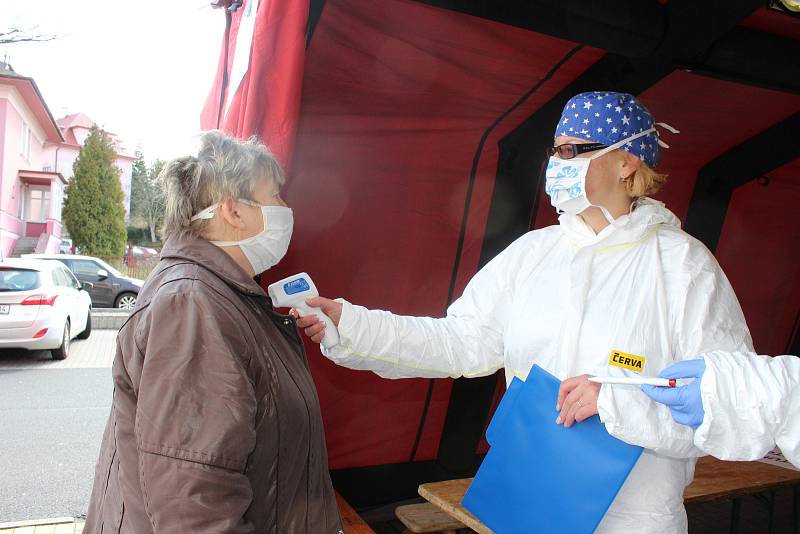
column 627, row 361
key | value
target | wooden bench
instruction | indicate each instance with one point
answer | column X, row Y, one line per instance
column 351, row 521
column 713, row 480
column 426, row 517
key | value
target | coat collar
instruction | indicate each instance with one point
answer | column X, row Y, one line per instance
column 198, row 250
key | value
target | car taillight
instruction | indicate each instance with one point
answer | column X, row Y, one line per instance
column 40, row 334
column 39, row 300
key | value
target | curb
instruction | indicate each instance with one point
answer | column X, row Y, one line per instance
column 108, row 318
column 37, row 522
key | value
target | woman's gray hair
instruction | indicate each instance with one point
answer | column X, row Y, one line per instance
column 224, row 167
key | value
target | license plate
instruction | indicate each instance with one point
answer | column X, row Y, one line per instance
column 4, row 309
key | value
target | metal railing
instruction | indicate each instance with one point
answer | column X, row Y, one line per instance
column 134, row 266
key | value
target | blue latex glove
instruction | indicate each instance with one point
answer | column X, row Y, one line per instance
column 684, row 402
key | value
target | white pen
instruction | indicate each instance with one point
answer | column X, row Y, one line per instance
column 662, row 382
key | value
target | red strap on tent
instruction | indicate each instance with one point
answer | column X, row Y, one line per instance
column 210, row 116
column 267, row 100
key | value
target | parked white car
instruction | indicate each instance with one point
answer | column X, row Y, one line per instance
column 42, row 306
column 109, row 289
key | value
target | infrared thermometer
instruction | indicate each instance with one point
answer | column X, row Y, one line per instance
column 292, row 292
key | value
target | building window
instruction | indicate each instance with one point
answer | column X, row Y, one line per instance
column 59, row 200
column 38, row 204
column 25, row 142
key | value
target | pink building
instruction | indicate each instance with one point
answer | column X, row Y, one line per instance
column 36, row 157
column 75, row 129
column 30, row 196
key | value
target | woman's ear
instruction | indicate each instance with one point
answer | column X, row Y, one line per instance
column 229, row 209
column 630, row 164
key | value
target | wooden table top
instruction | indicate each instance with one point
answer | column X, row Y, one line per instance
column 447, row 495
column 713, row 480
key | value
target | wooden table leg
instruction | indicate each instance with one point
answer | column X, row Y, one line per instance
column 771, row 511
column 736, row 514
column 768, row 500
column 797, row 509
column 771, row 508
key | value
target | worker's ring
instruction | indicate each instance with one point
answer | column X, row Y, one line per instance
column 580, row 405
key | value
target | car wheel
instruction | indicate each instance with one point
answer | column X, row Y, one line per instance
column 88, row 330
column 126, row 301
column 62, row 352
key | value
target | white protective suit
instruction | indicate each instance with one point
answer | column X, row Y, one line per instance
column 751, row 403
column 565, row 298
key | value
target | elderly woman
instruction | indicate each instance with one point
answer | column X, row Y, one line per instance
column 215, row 425
column 615, row 288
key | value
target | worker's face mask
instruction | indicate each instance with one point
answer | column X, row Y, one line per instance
column 269, row 246
column 565, row 180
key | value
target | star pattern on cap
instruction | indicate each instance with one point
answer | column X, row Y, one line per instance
column 607, row 118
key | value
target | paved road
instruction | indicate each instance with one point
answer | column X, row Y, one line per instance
column 52, row 416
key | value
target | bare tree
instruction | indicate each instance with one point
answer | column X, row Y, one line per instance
column 147, row 199
column 20, row 35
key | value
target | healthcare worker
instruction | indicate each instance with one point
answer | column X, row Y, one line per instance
column 741, row 404
column 616, row 288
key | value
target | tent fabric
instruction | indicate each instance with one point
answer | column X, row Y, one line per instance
column 713, row 117
column 210, row 116
column 775, row 23
column 266, row 102
column 759, row 250
column 396, row 98
column 388, row 166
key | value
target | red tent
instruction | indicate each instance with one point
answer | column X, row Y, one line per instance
column 413, row 132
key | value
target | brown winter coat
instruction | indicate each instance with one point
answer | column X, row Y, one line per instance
column 215, row 425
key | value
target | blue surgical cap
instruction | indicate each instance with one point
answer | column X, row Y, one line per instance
column 607, row 118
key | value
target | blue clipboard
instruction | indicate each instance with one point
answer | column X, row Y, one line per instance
column 503, row 408
column 541, row 477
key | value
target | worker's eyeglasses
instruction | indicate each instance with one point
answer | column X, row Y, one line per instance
column 571, row 150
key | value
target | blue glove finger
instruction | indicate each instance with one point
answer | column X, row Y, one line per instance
column 685, row 369
column 668, row 396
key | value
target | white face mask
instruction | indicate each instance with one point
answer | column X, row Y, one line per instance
column 565, row 180
column 269, row 246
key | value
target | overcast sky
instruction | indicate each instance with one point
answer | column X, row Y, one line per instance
column 140, row 68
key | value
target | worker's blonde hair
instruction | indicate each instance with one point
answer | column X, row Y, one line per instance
column 644, row 182
column 224, row 167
